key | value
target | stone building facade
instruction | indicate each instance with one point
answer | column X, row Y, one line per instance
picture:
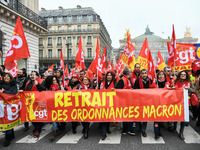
column 32, row 23
column 155, row 43
column 65, row 27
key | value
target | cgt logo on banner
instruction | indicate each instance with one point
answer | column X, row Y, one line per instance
column 186, row 54
column 105, row 105
column 10, row 106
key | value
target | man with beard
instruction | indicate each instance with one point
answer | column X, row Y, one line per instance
column 21, row 78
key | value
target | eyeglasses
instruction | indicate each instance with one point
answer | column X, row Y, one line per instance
column 183, row 74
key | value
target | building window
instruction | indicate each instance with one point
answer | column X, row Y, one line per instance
column 69, row 40
column 40, row 42
column 89, row 18
column 50, row 53
column 70, row 52
column 79, row 28
column 59, row 52
column 78, row 37
column 59, row 41
column 69, row 28
column 59, row 28
column 40, row 53
column 49, row 41
column 89, row 53
column 60, row 20
column 50, row 20
column 69, row 18
column 79, row 18
column 89, row 27
column 50, row 29
column 89, row 40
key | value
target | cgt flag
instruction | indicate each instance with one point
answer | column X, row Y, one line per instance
column 145, row 60
column 18, row 48
column 109, row 67
column 49, row 69
column 80, row 57
column 96, row 66
column 185, row 55
column 128, row 56
column 103, row 60
column 160, row 62
column 197, row 51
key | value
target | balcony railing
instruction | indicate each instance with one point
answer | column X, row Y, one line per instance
column 65, row 58
column 26, row 12
column 75, row 30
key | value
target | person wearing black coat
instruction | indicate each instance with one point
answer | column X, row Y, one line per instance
column 143, row 83
column 8, row 86
column 35, row 84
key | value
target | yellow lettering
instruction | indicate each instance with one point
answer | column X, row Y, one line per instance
column 111, row 94
column 86, row 98
column 58, row 99
column 145, row 111
column 172, row 111
column 131, row 111
column 178, row 109
column 54, row 113
column 64, row 113
column 103, row 98
column 67, row 99
column 96, row 99
column 159, row 114
column 59, row 115
column 76, row 95
column 165, row 111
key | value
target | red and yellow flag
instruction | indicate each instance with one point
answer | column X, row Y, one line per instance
column 145, row 60
column 128, row 56
column 160, row 62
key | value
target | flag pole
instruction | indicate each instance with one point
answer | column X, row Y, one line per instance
column 97, row 78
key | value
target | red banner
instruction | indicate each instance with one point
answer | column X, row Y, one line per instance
column 185, row 55
column 104, row 105
column 10, row 106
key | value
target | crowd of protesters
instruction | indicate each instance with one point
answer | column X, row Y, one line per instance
column 137, row 79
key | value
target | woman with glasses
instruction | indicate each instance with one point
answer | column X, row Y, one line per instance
column 84, row 85
column 183, row 81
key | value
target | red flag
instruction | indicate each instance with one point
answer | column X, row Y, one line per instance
column 13, row 71
column 18, row 47
column 172, row 49
column 113, row 66
column 103, row 60
column 79, row 56
column 160, row 62
column 49, row 69
column 62, row 65
column 185, row 55
column 120, row 65
column 66, row 72
column 151, row 71
column 109, row 67
column 128, row 56
column 96, row 63
column 145, row 60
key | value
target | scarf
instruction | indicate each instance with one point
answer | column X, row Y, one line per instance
column 127, row 83
column 182, row 85
column 110, row 86
column 145, row 81
column 54, row 87
column 84, row 87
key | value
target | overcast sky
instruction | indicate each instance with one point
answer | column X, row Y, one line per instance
column 135, row 15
